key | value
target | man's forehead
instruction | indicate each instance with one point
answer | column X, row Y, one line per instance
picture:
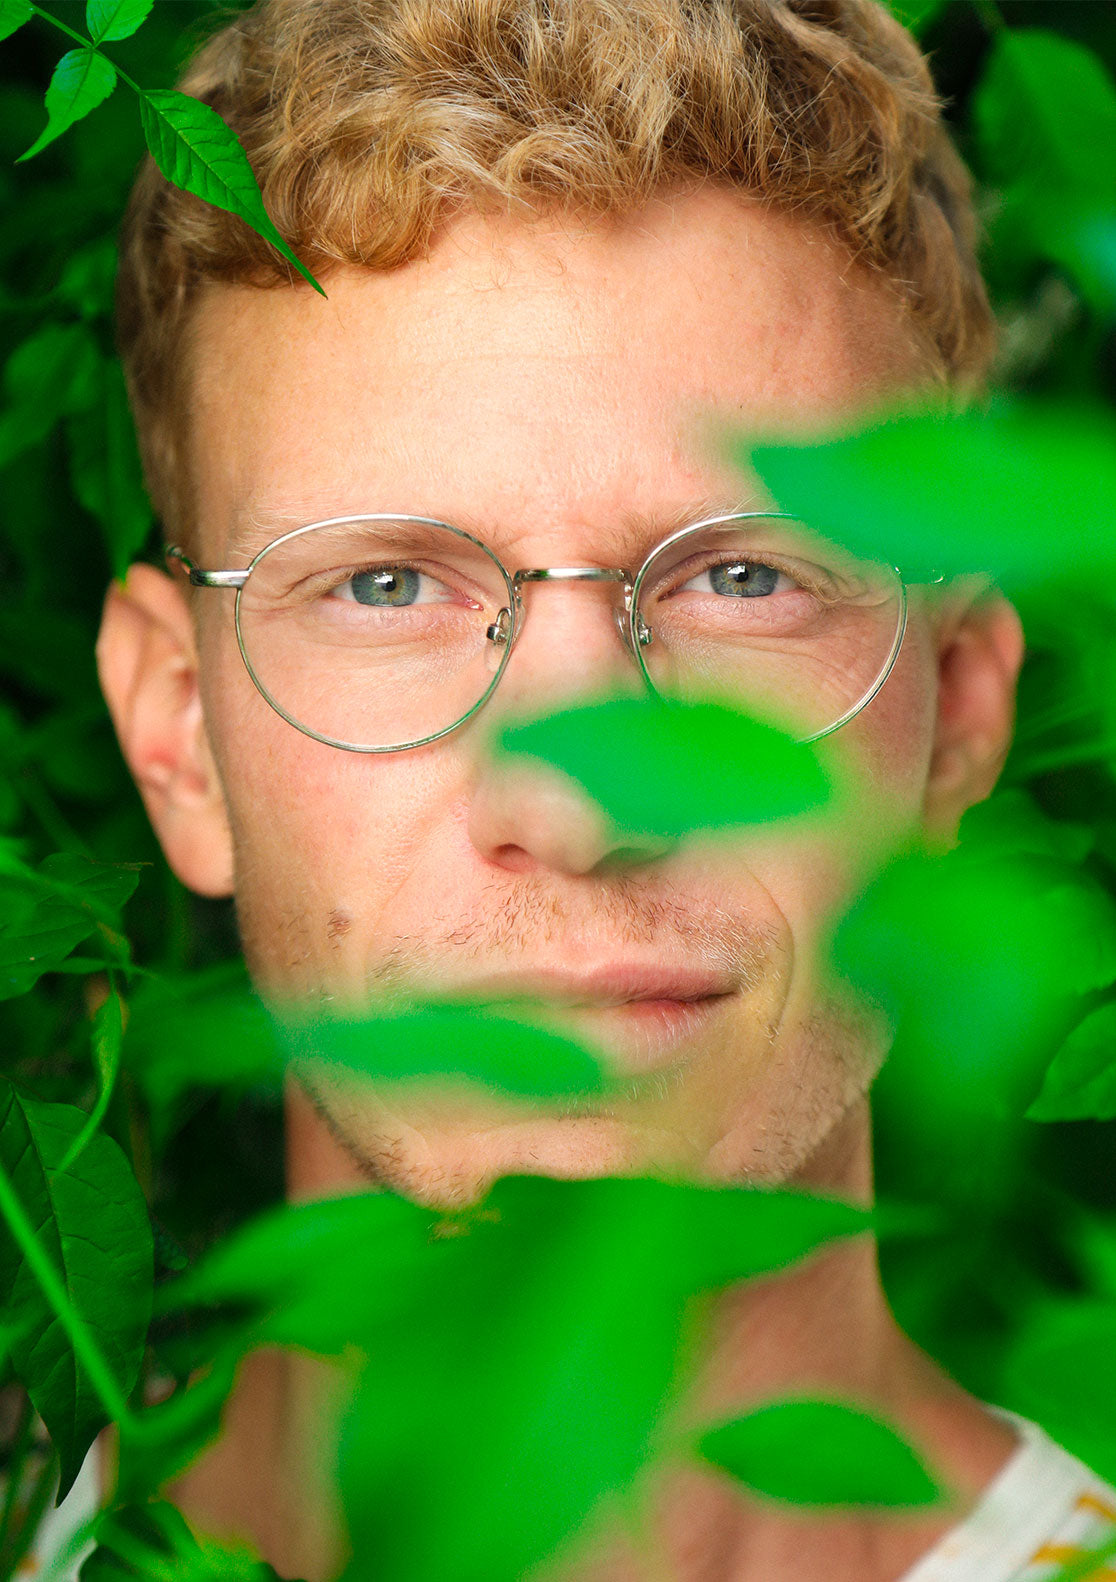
column 560, row 401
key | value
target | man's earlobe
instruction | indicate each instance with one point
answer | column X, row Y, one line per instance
column 148, row 665
column 981, row 648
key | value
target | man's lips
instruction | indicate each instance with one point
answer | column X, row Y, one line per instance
column 597, row 988
column 638, row 1016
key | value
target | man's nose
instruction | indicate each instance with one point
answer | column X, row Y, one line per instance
column 525, row 815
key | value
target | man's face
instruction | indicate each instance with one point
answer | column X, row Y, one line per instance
column 544, row 386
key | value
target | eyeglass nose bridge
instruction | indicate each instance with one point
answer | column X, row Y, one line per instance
column 507, row 625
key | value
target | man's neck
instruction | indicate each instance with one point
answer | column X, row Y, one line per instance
column 822, row 1329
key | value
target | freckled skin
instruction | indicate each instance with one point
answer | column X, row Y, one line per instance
column 542, row 381
column 536, row 382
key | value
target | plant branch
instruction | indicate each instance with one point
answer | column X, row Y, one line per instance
column 86, row 43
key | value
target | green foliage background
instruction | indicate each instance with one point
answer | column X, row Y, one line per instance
column 1013, row 1283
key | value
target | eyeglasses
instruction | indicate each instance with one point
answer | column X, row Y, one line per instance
column 379, row 633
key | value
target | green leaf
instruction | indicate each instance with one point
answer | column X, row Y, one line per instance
column 161, row 1441
column 980, row 964
column 669, row 769
column 1045, row 115
column 13, row 14
column 105, row 469
column 1057, row 1370
column 92, row 1223
column 447, row 1041
column 1080, row 1084
column 820, row 1453
column 113, row 19
column 196, row 151
column 47, row 913
column 1045, row 122
column 82, row 80
column 51, row 374
column 958, row 493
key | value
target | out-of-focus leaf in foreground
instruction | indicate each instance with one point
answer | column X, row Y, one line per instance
column 981, row 964
column 666, row 769
column 820, row 1453
column 538, row 1330
column 1058, row 1371
column 446, row 1041
column 92, row 1223
column 1024, row 491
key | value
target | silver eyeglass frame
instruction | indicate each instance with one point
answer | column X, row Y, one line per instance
column 504, row 631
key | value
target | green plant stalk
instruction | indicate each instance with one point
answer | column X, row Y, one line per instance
column 87, row 43
column 16, row 1463
column 85, row 1347
column 35, row 1507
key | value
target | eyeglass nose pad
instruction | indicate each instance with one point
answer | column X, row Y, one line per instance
column 624, row 624
column 498, row 635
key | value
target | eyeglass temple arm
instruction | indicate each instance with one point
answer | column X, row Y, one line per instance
column 205, row 579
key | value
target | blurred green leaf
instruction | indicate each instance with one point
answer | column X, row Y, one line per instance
column 13, row 14
column 51, row 374
column 820, row 1453
column 92, row 1222
column 1057, row 1370
column 446, row 1041
column 1045, row 114
column 956, row 493
column 667, row 769
column 980, row 963
column 82, row 80
column 113, row 19
column 1045, row 121
column 1080, row 1083
column 161, row 1441
column 196, row 151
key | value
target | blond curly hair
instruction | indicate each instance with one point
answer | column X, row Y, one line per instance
column 369, row 122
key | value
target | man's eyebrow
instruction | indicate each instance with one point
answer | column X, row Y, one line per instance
column 631, row 536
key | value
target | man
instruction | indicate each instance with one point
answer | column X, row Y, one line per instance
column 562, row 242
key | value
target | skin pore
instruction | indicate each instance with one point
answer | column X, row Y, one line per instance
column 546, row 383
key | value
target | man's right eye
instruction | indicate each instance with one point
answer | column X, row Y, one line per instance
column 392, row 587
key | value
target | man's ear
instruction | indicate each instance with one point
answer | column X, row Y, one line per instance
column 148, row 665
column 980, row 650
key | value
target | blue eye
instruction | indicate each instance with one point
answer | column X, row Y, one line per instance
column 740, row 579
column 392, row 588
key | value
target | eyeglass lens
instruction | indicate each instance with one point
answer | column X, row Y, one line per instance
column 375, row 634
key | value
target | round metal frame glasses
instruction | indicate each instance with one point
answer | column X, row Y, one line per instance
column 504, row 631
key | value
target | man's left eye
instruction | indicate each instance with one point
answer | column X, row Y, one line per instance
column 740, row 579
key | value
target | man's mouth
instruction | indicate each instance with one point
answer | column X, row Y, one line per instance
column 639, row 1018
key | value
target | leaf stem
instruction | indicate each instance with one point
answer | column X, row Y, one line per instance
column 86, row 43
column 85, row 1347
